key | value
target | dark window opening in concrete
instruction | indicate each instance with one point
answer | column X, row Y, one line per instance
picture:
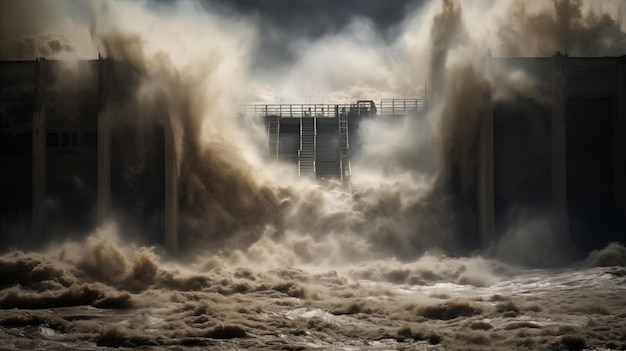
column 53, row 139
column 522, row 163
column 71, row 187
column 138, row 180
column 354, row 140
column 16, row 209
column 16, row 166
column 16, row 129
column 289, row 140
column 16, row 116
column 74, row 139
column 16, row 143
column 90, row 139
column 594, row 216
column 290, row 126
column 65, row 140
column 72, row 208
column 327, row 149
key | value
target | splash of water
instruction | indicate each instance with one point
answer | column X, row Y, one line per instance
column 195, row 63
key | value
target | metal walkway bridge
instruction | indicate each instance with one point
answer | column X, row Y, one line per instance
column 387, row 107
column 317, row 137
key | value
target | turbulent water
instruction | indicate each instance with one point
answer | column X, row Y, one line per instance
column 99, row 296
column 269, row 261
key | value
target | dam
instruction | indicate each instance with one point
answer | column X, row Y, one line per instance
column 77, row 152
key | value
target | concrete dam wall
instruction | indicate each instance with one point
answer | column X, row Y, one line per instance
column 562, row 154
column 76, row 152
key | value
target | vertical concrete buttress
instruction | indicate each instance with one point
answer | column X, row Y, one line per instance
column 558, row 145
column 486, row 209
column 485, row 176
column 619, row 142
column 104, row 145
column 171, row 189
column 39, row 154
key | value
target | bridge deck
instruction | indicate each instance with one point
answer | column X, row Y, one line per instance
column 387, row 107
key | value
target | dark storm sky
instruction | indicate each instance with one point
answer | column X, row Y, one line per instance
column 283, row 22
column 316, row 17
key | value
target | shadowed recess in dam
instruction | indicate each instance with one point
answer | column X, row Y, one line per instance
column 270, row 260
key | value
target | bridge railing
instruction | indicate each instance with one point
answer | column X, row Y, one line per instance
column 394, row 107
column 387, row 107
column 298, row 110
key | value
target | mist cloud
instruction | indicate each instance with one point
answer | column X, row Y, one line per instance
column 197, row 61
